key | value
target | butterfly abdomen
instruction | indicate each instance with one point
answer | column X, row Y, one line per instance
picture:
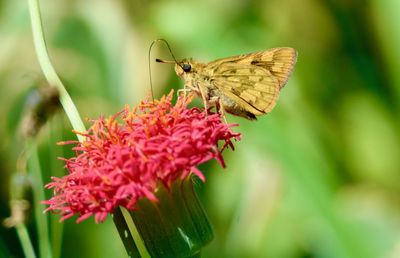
column 233, row 108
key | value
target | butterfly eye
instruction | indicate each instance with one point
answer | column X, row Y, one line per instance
column 186, row 67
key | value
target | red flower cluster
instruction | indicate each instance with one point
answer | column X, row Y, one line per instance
column 121, row 162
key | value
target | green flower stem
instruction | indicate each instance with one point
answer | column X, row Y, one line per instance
column 73, row 115
column 56, row 228
column 20, row 204
column 26, row 243
column 135, row 234
column 49, row 71
column 126, row 229
column 38, row 196
column 176, row 225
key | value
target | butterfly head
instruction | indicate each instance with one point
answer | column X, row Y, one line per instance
column 184, row 68
column 188, row 70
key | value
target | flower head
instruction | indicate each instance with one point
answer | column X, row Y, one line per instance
column 124, row 158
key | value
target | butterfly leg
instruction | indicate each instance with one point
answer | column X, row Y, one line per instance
column 221, row 109
column 203, row 96
column 184, row 90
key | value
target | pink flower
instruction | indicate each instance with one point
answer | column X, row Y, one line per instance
column 119, row 163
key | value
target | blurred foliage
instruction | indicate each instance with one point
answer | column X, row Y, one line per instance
column 318, row 177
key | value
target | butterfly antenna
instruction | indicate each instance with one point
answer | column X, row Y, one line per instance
column 159, row 60
column 170, row 51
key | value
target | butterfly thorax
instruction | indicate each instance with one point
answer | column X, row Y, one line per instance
column 197, row 79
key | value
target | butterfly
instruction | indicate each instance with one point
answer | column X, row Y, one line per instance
column 244, row 85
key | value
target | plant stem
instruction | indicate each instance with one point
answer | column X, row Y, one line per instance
column 69, row 108
column 48, row 69
column 26, row 243
column 53, row 79
column 56, row 228
column 38, row 196
column 133, row 230
column 125, row 232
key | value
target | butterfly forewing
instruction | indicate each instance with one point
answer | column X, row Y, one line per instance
column 278, row 61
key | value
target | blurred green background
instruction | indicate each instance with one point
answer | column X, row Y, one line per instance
column 318, row 177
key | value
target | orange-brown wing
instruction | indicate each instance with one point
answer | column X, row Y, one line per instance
column 279, row 62
column 251, row 87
